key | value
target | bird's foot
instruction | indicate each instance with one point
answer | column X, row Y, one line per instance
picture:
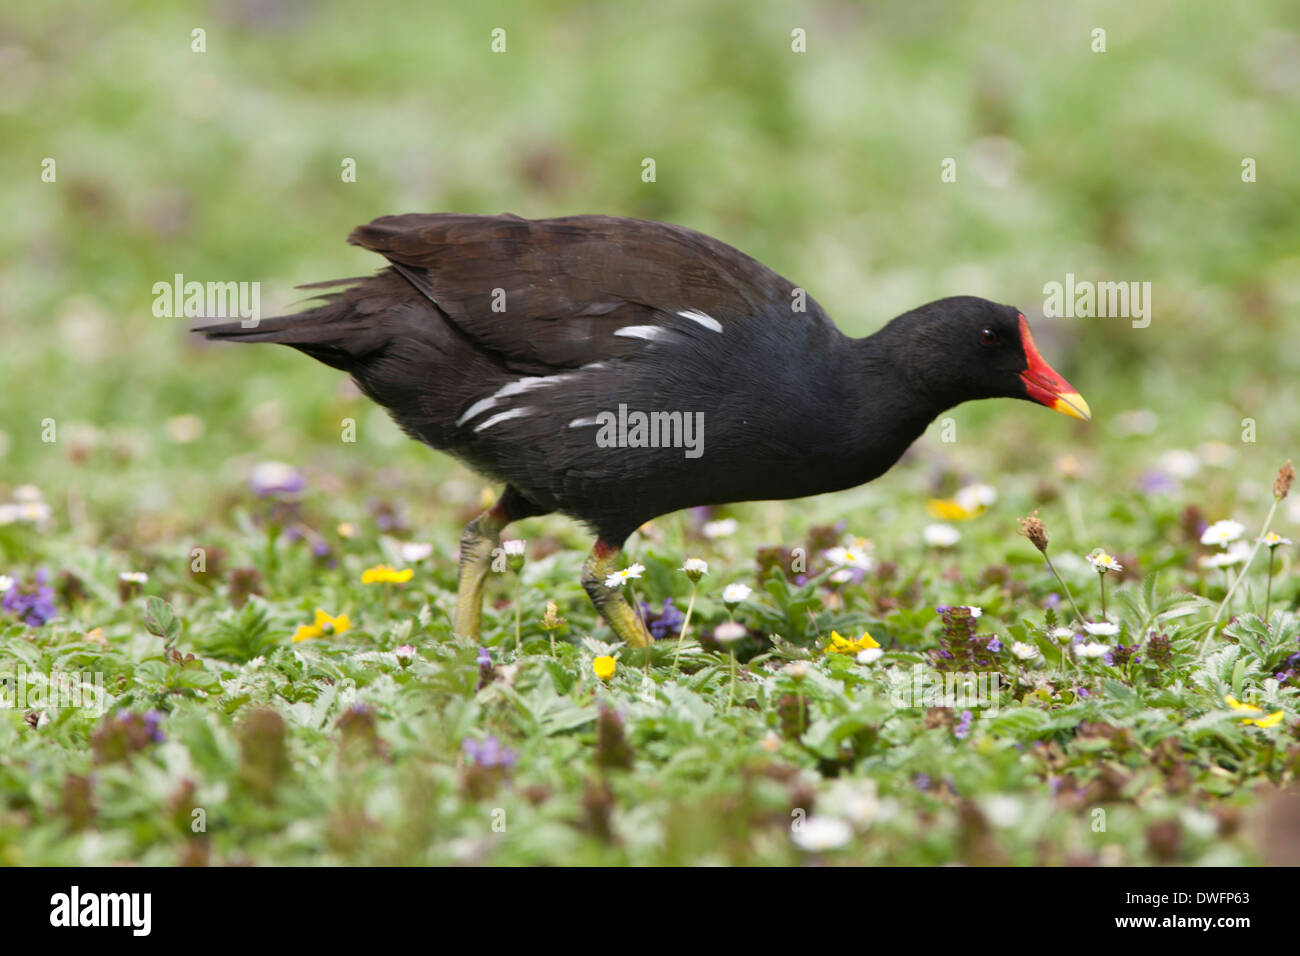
column 610, row 602
column 477, row 542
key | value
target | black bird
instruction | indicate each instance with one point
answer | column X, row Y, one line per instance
column 616, row 370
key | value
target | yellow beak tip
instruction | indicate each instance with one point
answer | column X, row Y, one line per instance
column 1072, row 404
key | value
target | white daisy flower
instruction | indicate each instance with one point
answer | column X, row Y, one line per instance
column 1180, row 463
column 850, row 558
column 724, row 528
column 818, row 834
column 729, row 631
column 413, row 551
column 1092, row 650
column 856, row 800
column 735, row 593
column 619, row 578
column 1102, row 561
column 695, row 566
column 1003, row 811
column 1101, row 628
column 1223, row 533
column 34, row 512
column 1236, row 553
column 976, row 497
column 940, row 535
column 1062, row 635
column 1023, row 651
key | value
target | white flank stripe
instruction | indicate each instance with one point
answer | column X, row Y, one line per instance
column 513, row 413
column 706, row 320
column 479, row 406
column 517, row 387
column 646, row 332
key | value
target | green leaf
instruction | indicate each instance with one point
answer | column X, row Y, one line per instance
column 160, row 620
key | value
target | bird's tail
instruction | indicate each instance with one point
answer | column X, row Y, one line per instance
column 337, row 332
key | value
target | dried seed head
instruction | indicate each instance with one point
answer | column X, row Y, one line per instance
column 552, row 621
column 1032, row 528
column 1285, row 478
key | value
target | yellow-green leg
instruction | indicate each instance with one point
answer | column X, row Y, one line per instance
column 480, row 538
column 610, row 602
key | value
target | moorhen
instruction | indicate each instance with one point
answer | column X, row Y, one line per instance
column 616, row 370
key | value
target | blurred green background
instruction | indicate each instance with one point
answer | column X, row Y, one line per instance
column 225, row 165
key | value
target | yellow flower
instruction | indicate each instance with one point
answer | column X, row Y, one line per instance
column 842, row 645
column 385, row 574
column 950, row 509
column 1257, row 715
column 604, row 667
column 323, row 626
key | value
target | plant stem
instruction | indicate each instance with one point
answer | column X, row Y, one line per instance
column 1064, row 587
column 1268, row 595
column 1240, row 577
column 731, row 691
column 519, row 644
column 636, row 609
column 686, row 623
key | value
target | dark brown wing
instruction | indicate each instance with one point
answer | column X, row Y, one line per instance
column 561, row 293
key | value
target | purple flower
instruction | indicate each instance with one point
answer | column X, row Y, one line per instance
column 152, row 724
column 272, row 478
column 1157, row 482
column 489, row 753
column 666, row 623
column 33, row 604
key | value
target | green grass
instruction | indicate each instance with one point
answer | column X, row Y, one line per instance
column 825, row 165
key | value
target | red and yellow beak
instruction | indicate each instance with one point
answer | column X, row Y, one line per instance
column 1045, row 386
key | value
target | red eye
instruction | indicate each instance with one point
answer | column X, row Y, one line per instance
column 988, row 337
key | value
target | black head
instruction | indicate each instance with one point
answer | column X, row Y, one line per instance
column 964, row 348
